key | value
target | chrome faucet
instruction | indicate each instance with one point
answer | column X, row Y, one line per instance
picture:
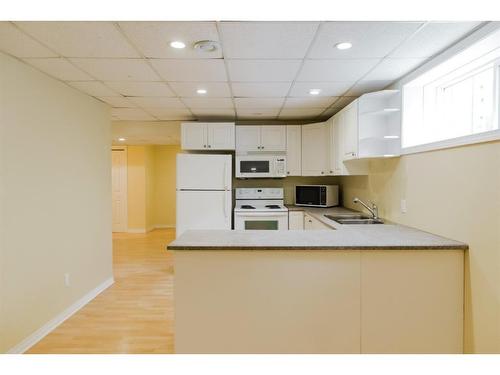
column 373, row 210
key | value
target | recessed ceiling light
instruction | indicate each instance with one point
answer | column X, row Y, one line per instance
column 201, row 91
column 177, row 44
column 391, row 136
column 122, row 139
column 314, row 91
column 343, row 45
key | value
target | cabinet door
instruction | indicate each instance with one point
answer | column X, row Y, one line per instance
column 311, row 223
column 294, row 150
column 248, row 138
column 193, row 136
column 338, row 145
column 314, row 151
column 330, row 147
column 350, row 128
column 296, row 220
column 273, row 138
column 220, row 136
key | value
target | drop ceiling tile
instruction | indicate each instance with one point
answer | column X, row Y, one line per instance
column 433, row 38
column 81, row 38
column 156, row 102
column 258, row 102
column 257, row 113
column 311, row 102
column 363, row 87
column 214, row 89
column 153, row 38
column 170, row 114
column 128, row 88
column 117, row 69
column 301, row 89
column 131, row 114
column 392, row 69
column 59, row 68
column 335, row 70
column 296, row 113
column 215, row 113
column 263, row 70
column 93, row 88
column 117, row 101
column 208, row 102
column 270, row 40
column 202, row 70
column 369, row 39
column 15, row 42
column 261, row 89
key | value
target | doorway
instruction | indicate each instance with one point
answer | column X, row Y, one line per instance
column 119, row 188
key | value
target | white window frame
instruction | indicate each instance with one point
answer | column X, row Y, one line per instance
column 488, row 136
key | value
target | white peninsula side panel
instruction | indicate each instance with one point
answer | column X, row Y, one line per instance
column 300, row 301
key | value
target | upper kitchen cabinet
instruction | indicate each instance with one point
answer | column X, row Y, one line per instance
column 315, row 149
column 261, row 138
column 350, row 131
column 207, row 136
column 294, row 150
column 379, row 124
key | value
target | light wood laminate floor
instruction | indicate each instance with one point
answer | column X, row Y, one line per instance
column 135, row 314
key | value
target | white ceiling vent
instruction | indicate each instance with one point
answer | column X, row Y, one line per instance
column 206, row 46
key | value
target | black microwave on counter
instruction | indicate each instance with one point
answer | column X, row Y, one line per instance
column 317, row 195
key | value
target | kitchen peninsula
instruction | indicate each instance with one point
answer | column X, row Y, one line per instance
column 351, row 289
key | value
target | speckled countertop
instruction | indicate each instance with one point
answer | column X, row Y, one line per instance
column 341, row 237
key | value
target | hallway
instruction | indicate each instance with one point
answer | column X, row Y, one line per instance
column 134, row 315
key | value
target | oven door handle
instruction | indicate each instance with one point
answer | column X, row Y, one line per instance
column 254, row 214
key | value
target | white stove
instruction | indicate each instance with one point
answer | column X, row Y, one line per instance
column 260, row 209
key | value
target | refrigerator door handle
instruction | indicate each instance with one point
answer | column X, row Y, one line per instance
column 225, row 207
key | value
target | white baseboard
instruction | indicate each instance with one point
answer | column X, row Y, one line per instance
column 48, row 327
column 143, row 230
column 164, row 226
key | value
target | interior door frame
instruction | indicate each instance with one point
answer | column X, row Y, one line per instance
column 123, row 148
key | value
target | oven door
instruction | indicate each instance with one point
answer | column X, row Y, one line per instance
column 261, row 220
column 254, row 167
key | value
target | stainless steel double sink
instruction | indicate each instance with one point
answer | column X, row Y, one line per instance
column 354, row 219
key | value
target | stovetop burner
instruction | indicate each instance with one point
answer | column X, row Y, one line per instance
column 248, row 207
column 273, row 206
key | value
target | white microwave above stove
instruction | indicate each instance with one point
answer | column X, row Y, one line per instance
column 317, row 195
column 261, row 166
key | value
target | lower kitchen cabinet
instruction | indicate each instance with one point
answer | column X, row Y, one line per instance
column 311, row 223
column 296, row 220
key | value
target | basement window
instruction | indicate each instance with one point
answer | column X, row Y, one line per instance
column 456, row 102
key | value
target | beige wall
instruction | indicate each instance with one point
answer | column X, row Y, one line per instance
column 55, row 198
column 151, row 186
column 136, row 187
column 454, row 193
column 164, row 185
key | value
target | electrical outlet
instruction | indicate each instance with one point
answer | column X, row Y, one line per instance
column 403, row 206
column 67, row 280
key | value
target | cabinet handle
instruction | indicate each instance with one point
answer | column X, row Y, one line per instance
column 309, row 221
column 204, row 146
column 262, row 147
column 288, row 172
column 331, row 171
column 209, row 146
column 322, row 172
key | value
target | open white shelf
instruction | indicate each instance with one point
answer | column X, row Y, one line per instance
column 380, row 124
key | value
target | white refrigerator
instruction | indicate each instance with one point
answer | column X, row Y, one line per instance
column 204, row 199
